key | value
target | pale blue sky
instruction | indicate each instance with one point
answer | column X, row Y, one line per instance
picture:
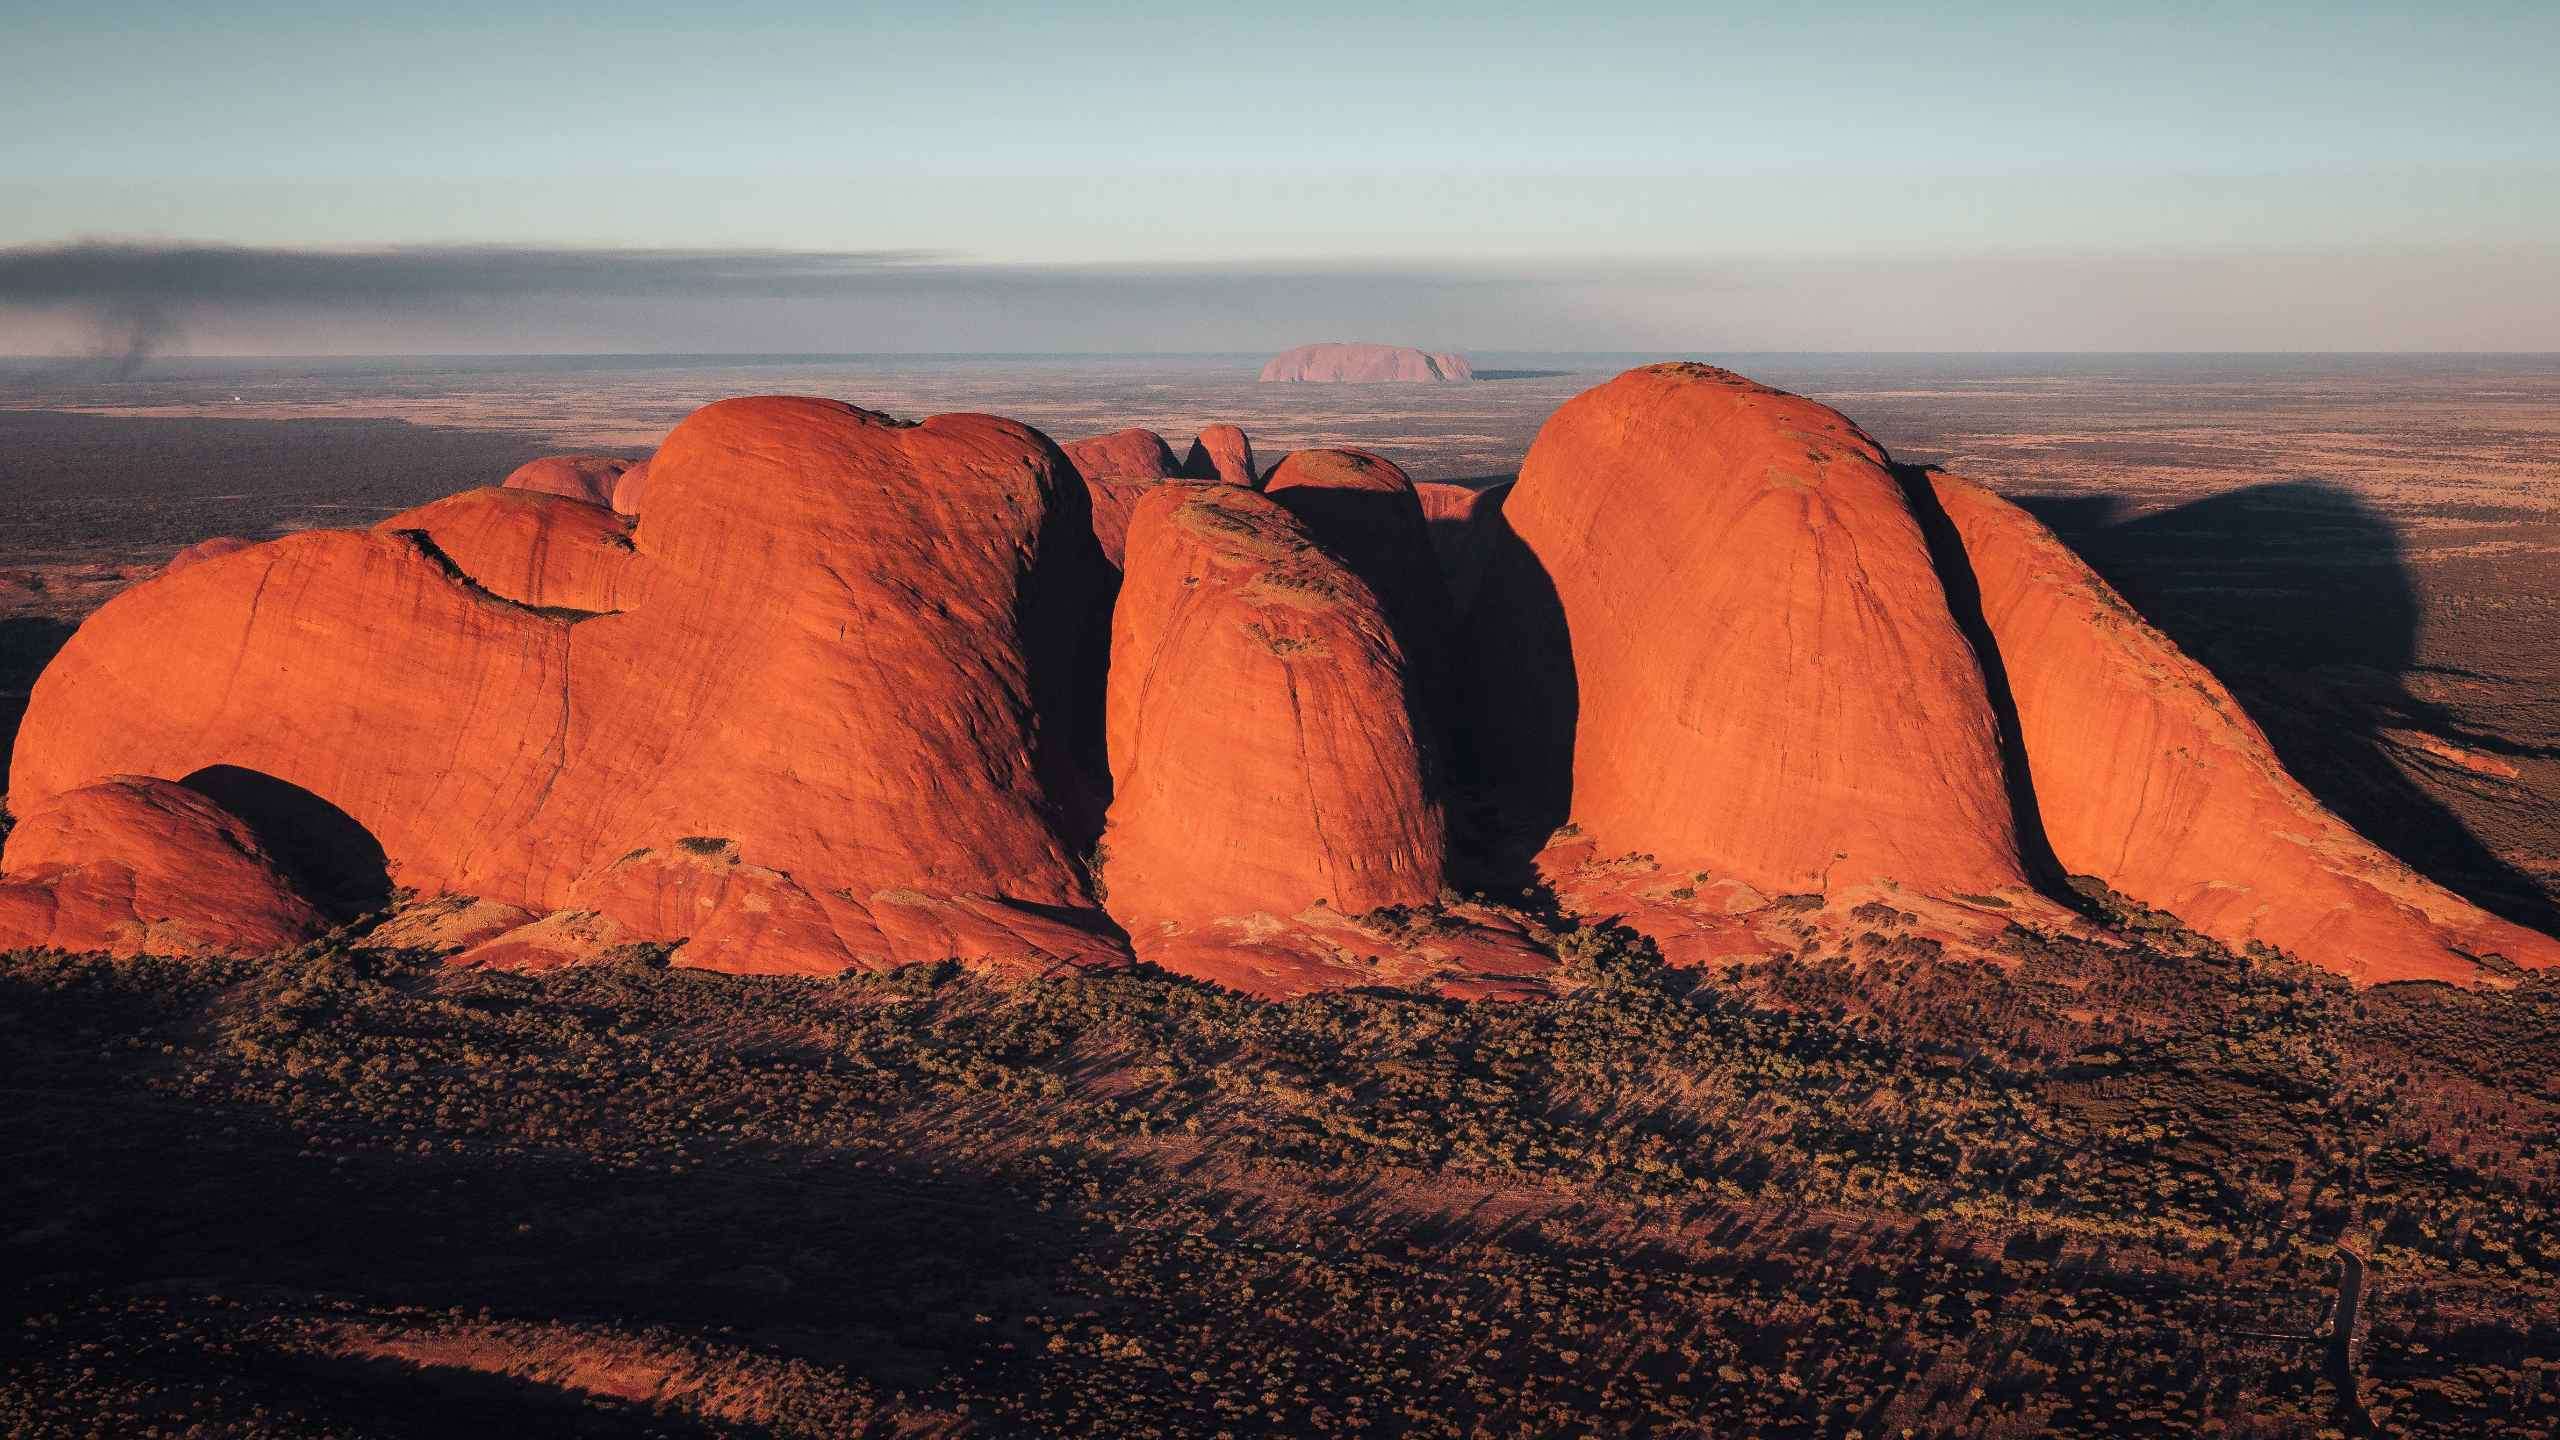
column 2414, row 150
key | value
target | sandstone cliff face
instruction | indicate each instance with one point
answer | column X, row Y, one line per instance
column 770, row 673
column 1769, row 684
column 590, row 478
column 1123, row 455
column 839, row 697
column 1362, row 363
column 2147, row 774
column 136, row 866
column 1222, row 453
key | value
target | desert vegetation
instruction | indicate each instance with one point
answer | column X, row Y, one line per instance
column 2081, row 1186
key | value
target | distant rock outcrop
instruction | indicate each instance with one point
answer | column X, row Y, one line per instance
column 591, row 478
column 203, row 550
column 2147, row 774
column 1361, row 363
column 137, row 866
column 1222, row 453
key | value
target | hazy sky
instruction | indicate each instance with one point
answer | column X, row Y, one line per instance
column 1155, row 176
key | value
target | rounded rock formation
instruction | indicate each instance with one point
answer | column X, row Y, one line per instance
column 630, row 487
column 830, row 614
column 529, row 546
column 1269, row 784
column 2147, row 774
column 1222, row 453
column 1123, row 455
column 590, row 478
column 1363, row 363
column 1750, row 663
column 131, row 865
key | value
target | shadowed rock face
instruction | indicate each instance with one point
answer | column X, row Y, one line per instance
column 1269, row 781
column 1361, row 363
column 842, row 696
column 1222, row 453
column 2147, row 774
column 1463, row 524
column 591, row 478
column 137, row 866
column 1771, row 686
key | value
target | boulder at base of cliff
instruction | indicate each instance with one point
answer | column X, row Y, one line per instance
column 132, row 865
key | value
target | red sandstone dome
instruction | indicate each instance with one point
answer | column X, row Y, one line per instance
column 630, row 487
column 1132, row 454
column 1223, row 453
column 770, row 675
column 1763, row 676
column 2147, row 774
column 1269, row 782
column 838, row 699
column 591, row 478
column 1361, row 363
column 137, row 866
column 529, row 546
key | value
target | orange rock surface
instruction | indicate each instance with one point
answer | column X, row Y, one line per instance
column 579, row 477
column 1769, row 685
column 1363, row 363
column 772, row 674
column 1112, row 502
column 2147, row 774
column 1131, row 454
column 1223, row 453
column 529, row 546
column 630, row 487
column 137, row 866
column 1268, row 780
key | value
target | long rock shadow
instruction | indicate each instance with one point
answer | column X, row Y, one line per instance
column 2299, row 595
